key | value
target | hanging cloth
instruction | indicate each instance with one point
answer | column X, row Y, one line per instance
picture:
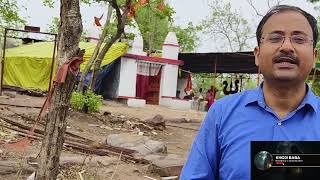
column 189, row 83
column 145, row 72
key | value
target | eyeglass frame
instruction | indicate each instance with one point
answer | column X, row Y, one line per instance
column 308, row 40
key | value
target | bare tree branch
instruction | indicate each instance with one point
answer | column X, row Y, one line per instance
column 227, row 26
column 279, row 2
column 254, row 8
column 269, row 4
column 96, row 50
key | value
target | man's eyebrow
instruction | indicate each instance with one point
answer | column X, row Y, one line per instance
column 299, row 32
column 277, row 32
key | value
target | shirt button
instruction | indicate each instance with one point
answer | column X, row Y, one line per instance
column 279, row 123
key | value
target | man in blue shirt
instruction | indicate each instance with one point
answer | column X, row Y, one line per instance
column 283, row 108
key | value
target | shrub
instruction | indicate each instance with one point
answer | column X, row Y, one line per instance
column 86, row 102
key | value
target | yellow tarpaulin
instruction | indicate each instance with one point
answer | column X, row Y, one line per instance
column 115, row 51
column 29, row 66
column 27, row 72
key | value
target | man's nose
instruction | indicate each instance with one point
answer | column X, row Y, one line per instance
column 287, row 45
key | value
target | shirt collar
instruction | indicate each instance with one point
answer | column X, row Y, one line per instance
column 256, row 96
column 310, row 99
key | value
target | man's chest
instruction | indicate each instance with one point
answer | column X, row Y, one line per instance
column 235, row 137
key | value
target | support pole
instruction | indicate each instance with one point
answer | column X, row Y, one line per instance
column 52, row 63
column 215, row 73
column 240, row 83
column 2, row 60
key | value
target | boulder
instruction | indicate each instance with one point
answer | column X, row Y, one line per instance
column 142, row 144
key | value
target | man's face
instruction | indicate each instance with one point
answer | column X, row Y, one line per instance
column 286, row 52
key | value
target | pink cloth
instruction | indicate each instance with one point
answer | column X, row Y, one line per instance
column 211, row 94
column 188, row 83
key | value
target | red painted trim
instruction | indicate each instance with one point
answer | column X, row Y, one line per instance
column 174, row 45
column 154, row 59
column 126, row 97
column 171, row 97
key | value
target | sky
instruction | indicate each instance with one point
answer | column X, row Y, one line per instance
column 186, row 11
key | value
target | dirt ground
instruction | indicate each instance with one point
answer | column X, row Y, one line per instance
column 97, row 127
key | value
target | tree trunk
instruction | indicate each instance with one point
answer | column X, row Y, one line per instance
column 68, row 42
column 121, row 18
column 96, row 50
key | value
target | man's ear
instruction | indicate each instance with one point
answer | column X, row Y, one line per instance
column 315, row 57
column 256, row 55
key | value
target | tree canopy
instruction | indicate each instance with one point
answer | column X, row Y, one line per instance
column 9, row 16
column 227, row 26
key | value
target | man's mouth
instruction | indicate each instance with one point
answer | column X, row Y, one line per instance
column 285, row 60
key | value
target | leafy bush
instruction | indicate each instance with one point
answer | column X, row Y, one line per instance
column 77, row 101
column 88, row 100
column 93, row 101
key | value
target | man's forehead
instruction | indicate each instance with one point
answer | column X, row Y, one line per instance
column 287, row 22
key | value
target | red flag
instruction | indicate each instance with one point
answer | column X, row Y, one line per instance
column 97, row 20
column 161, row 6
column 143, row 2
column 132, row 12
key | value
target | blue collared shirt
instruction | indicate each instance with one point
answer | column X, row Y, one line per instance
column 221, row 150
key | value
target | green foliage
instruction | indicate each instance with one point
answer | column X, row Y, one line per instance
column 50, row 3
column 77, row 101
column 187, row 37
column 153, row 24
column 55, row 25
column 112, row 29
column 9, row 16
column 316, row 86
column 227, row 26
column 92, row 101
column 205, row 80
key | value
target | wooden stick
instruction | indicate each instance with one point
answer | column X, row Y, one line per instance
column 25, row 117
column 188, row 128
column 18, row 105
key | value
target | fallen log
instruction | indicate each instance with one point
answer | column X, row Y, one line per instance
column 19, row 130
column 13, row 167
column 18, row 105
column 25, row 117
column 19, row 124
column 78, row 144
column 39, row 131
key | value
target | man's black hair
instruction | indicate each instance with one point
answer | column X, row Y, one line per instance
column 281, row 8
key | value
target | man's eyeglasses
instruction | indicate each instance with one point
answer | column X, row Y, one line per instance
column 278, row 39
